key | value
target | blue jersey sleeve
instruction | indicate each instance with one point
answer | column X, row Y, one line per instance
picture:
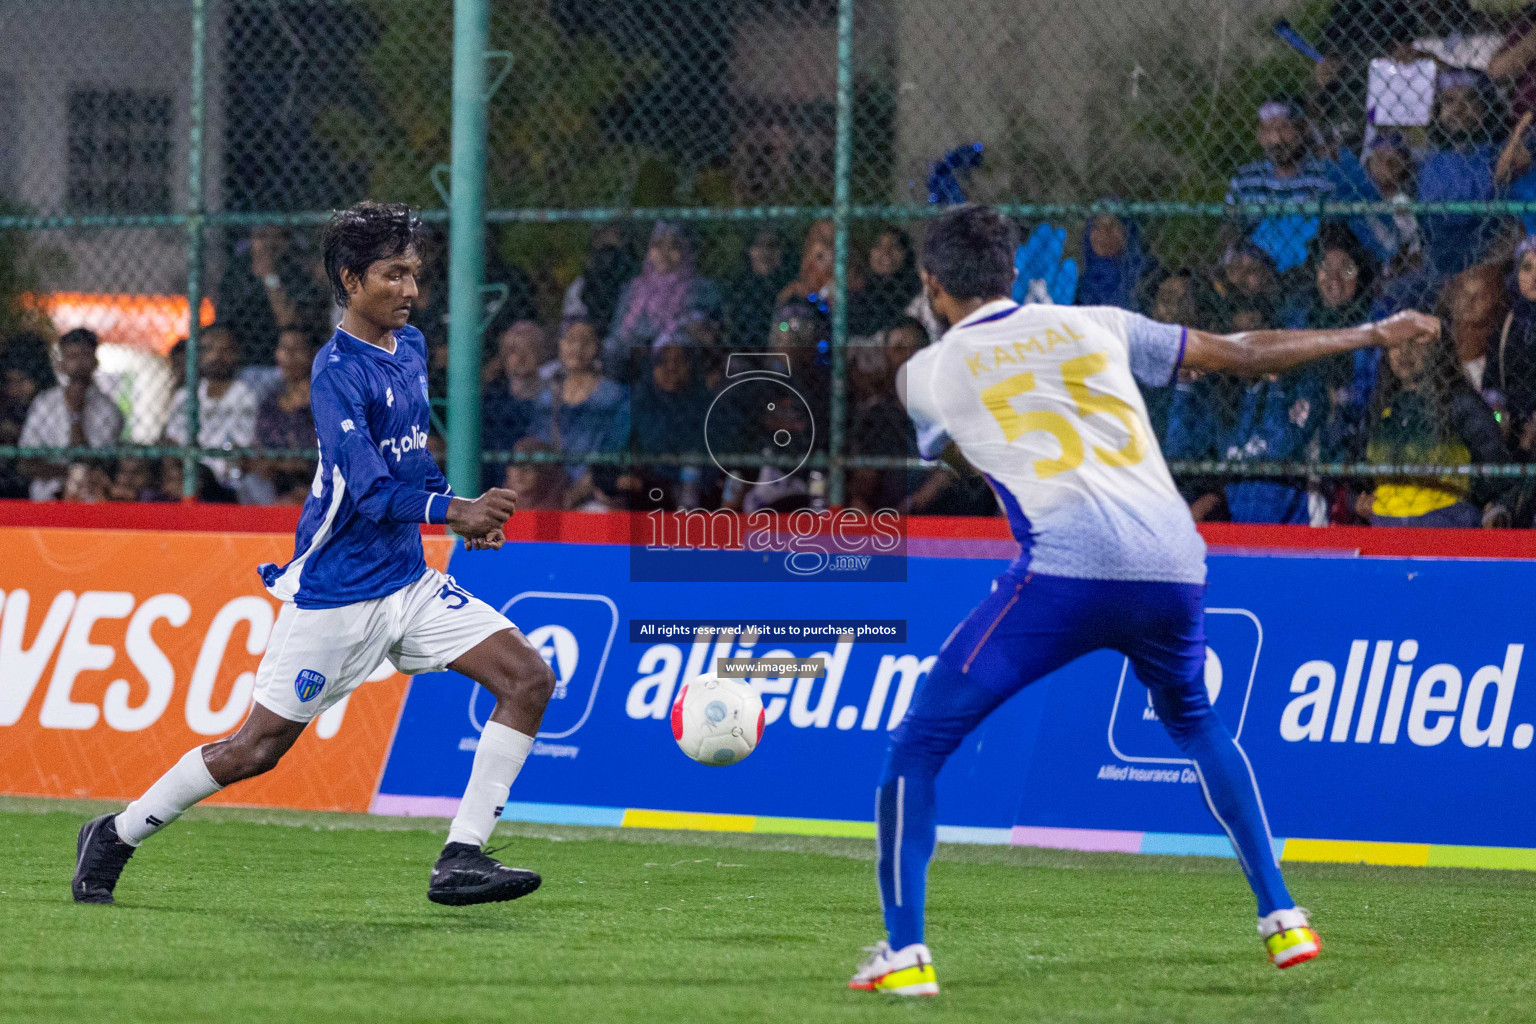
column 341, row 422
column 437, row 483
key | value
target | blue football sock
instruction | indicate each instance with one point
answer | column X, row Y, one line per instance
column 946, row 707
column 1231, row 793
column 905, row 812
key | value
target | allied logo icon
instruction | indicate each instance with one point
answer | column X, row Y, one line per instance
column 574, row 634
column 308, row 684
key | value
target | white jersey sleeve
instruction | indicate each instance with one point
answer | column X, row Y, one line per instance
column 916, row 393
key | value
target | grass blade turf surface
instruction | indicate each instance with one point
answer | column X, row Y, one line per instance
column 239, row 916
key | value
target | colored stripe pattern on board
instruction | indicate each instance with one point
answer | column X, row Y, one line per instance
column 1332, row 851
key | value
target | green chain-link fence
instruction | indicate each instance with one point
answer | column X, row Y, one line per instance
column 1225, row 164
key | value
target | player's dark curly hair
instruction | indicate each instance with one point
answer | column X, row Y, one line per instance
column 363, row 234
column 970, row 252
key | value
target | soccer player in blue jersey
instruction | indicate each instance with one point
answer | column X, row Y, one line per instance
column 358, row 590
column 1042, row 400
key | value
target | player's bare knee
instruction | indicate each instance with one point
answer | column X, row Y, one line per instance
column 528, row 679
column 266, row 756
column 521, row 677
column 543, row 683
column 238, row 758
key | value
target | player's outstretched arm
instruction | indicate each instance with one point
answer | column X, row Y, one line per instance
column 1252, row 353
column 480, row 521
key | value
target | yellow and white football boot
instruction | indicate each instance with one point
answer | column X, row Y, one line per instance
column 904, row 972
column 1289, row 937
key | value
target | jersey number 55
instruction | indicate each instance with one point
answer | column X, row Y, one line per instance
column 1074, row 374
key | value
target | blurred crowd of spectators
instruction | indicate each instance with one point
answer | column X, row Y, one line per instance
column 1410, row 101
column 613, row 384
column 626, row 371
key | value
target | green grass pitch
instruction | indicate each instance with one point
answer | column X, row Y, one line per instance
column 244, row 916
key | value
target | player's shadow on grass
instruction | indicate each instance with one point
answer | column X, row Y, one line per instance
column 491, row 919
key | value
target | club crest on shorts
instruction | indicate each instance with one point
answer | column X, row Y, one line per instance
column 308, row 684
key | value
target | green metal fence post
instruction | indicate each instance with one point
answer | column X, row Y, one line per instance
column 466, row 240
column 194, row 238
column 841, row 210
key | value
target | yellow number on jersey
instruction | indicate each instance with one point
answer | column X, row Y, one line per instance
column 1016, row 424
column 1074, row 373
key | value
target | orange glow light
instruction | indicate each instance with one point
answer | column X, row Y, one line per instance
column 150, row 322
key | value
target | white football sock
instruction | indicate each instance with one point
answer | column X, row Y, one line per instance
column 498, row 759
column 187, row 783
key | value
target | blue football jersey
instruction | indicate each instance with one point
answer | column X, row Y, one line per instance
column 359, row 536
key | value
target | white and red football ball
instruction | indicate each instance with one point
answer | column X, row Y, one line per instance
column 717, row 721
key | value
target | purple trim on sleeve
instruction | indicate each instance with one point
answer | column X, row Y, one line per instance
column 1183, row 344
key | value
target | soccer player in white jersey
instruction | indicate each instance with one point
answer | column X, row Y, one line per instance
column 358, row 590
column 1041, row 401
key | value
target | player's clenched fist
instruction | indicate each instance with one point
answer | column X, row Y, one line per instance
column 488, row 513
column 1407, row 326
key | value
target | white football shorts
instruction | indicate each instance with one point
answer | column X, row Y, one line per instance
column 316, row 656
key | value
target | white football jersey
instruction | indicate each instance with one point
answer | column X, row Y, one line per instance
column 1042, row 401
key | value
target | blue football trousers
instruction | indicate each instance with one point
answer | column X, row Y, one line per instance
column 1029, row 626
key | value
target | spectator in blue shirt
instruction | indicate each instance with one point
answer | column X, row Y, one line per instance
column 1393, row 239
column 1277, row 421
column 1198, row 410
column 1193, row 427
column 1336, row 136
column 1514, row 175
column 1191, row 414
column 1286, row 174
column 1114, row 263
column 1248, row 279
column 1459, row 167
